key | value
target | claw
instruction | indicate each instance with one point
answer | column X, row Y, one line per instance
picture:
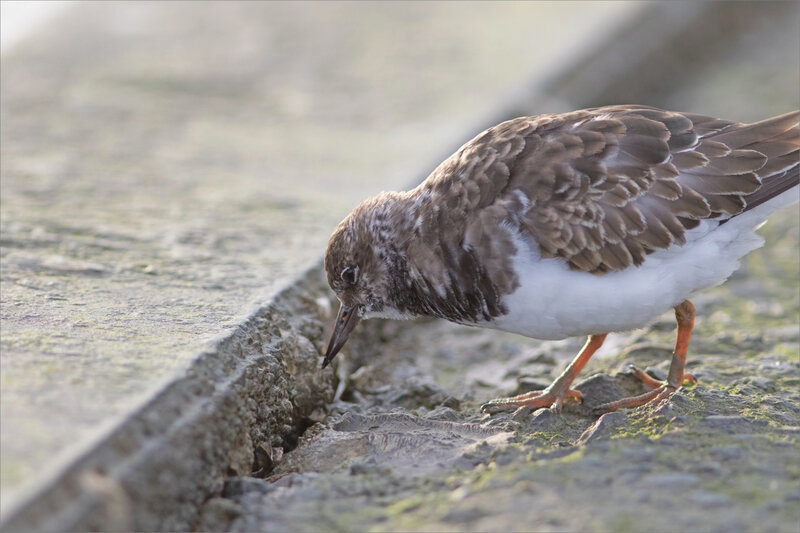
column 535, row 400
column 575, row 395
column 644, row 377
column 661, row 390
column 655, row 395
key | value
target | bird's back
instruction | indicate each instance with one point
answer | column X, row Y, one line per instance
column 602, row 188
column 597, row 190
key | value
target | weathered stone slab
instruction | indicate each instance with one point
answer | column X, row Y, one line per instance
column 167, row 168
column 717, row 456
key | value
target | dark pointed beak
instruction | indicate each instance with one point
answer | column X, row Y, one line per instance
column 345, row 322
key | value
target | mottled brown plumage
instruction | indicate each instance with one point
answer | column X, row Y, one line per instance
column 602, row 188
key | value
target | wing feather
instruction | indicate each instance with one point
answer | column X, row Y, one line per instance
column 602, row 188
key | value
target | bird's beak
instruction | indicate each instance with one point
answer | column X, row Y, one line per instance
column 345, row 322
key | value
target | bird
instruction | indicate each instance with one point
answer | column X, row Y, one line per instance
column 583, row 223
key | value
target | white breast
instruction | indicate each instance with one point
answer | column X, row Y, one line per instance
column 554, row 302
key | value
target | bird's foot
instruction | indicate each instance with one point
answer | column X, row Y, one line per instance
column 661, row 390
column 551, row 398
column 653, row 383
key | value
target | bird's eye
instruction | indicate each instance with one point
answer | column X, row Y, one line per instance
column 350, row 275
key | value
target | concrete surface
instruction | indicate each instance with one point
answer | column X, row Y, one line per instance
column 406, row 449
column 167, row 169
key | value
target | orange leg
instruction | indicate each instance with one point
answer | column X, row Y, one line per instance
column 684, row 315
column 553, row 396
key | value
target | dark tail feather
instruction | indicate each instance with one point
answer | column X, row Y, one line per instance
column 752, row 136
column 773, row 186
column 779, row 139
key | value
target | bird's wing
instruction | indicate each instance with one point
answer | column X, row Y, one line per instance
column 602, row 188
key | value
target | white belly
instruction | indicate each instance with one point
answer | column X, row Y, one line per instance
column 554, row 302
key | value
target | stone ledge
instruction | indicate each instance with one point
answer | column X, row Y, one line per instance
column 258, row 385
column 154, row 155
column 184, row 437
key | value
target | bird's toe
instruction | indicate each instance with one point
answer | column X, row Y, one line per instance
column 546, row 399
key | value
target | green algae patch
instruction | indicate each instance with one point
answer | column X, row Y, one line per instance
column 406, row 505
column 641, row 424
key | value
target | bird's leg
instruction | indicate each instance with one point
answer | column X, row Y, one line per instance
column 553, row 396
column 684, row 315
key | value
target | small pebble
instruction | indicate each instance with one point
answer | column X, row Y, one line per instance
column 442, row 412
column 793, row 496
column 669, row 480
column 656, row 372
column 708, row 498
column 665, row 410
column 763, row 383
column 544, row 419
column 461, row 516
column 528, row 384
column 522, row 414
column 678, row 399
column 728, row 423
column 728, row 453
column 240, row 485
column 542, row 359
column 709, row 468
column 638, row 454
column 602, row 427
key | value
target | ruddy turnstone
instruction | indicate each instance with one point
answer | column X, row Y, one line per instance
column 582, row 223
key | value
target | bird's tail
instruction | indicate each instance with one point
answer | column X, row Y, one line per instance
column 774, row 186
column 778, row 138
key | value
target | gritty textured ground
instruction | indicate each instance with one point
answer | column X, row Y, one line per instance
column 405, row 447
column 150, row 172
column 166, row 167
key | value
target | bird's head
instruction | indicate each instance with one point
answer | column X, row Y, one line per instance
column 362, row 264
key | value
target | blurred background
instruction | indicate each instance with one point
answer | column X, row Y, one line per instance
column 21, row 18
column 168, row 166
